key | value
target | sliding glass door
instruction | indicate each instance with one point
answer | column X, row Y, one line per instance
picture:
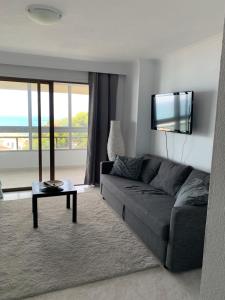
column 19, row 136
column 70, row 130
column 43, row 132
column 18, row 165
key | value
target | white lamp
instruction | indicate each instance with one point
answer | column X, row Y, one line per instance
column 115, row 144
column 43, row 15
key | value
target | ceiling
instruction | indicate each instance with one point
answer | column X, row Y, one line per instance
column 110, row 30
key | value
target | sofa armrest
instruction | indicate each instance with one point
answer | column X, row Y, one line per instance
column 186, row 238
column 106, row 167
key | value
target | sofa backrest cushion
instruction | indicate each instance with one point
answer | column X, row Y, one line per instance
column 170, row 177
column 150, row 168
column 127, row 167
column 204, row 176
column 193, row 192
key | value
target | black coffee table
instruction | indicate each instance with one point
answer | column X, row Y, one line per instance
column 67, row 189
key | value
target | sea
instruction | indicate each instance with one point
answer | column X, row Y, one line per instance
column 21, row 121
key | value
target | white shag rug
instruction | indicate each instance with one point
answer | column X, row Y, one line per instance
column 60, row 254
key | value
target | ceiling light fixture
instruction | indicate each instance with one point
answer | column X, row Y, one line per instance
column 43, row 15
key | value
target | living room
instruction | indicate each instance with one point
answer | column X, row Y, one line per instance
column 92, row 70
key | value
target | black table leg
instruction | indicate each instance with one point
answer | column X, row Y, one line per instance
column 68, row 201
column 74, row 219
column 35, row 212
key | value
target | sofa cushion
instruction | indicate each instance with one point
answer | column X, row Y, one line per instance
column 127, row 167
column 194, row 192
column 117, row 184
column 150, row 168
column 204, row 176
column 153, row 210
column 170, row 177
column 152, row 206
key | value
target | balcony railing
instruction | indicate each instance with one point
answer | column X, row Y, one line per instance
column 20, row 139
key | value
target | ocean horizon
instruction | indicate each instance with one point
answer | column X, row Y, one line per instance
column 21, row 121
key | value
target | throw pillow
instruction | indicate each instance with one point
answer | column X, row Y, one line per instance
column 204, row 176
column 150, row 168
column 127, row 167
column 192, row 193
column 170, row 177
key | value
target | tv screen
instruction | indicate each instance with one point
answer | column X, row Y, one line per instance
column 172, row 112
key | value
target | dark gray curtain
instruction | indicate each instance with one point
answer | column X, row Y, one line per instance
column 102, row 109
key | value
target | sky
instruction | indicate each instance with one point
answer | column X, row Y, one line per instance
column 14, row 103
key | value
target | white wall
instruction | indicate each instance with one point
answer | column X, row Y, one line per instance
column 213, row 272
column 148, row 79
column 140, row 84
column 39, row 61
column 29, row 159
column 130, row 108
column 43, row 73
column 192, row 68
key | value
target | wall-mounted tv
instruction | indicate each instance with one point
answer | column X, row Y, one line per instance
column 172, row 112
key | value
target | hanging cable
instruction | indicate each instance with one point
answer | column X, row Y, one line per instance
column 182, row 151
column 166, row 144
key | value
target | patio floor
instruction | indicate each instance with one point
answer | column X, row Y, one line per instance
column 12, row 178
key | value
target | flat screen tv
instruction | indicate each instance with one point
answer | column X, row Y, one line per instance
column 172, row 112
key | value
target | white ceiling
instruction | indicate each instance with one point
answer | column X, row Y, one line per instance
column 110, row 30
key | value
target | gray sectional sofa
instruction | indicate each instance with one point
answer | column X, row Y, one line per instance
column 175, row 234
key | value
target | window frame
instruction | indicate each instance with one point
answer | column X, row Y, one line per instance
column 30, row 129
